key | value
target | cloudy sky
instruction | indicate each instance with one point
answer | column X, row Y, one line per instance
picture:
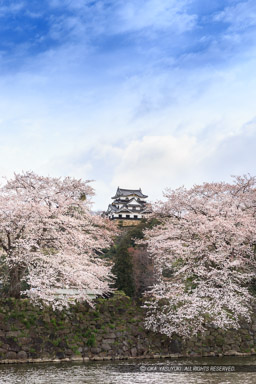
column 129, row 93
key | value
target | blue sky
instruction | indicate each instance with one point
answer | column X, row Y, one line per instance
column 135, row 93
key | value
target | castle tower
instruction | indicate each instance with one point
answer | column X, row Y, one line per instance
column 128, row 206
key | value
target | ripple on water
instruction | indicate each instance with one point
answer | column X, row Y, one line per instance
column 111, row 373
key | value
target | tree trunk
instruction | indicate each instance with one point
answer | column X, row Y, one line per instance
column 16, row 274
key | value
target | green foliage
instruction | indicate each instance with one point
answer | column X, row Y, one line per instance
column 91, row 339
column 27, row 319
column 96, row 314
column 123, row 266
column 190, row 284
column 118, row 297
column 130, row 236
column 53, row 321
column 56, row 342
column 123, row 269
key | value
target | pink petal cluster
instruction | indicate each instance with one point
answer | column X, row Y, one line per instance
column 50, row 239
column 206, row 241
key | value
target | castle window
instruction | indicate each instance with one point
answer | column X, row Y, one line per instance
column 127, row 216
column 120, row 216
column 135, row 217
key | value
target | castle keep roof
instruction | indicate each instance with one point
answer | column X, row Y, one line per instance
column 128, row 192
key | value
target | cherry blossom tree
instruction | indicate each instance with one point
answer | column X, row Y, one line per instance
column 205, row 257
column 50, row 239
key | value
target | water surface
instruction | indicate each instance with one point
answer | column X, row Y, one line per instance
column 113, row 372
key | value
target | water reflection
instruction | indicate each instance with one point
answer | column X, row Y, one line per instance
column 111, row 373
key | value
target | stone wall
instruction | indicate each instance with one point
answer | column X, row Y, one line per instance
column 129, row 223
column 112, row 330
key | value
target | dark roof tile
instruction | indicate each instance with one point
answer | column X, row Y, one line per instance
column 127, row 192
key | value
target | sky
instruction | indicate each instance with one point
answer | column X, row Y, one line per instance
column 149, row 94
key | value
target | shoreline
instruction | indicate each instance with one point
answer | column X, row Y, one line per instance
column 119, row 358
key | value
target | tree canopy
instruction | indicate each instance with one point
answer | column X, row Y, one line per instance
column 205, row 257
column 50, row 239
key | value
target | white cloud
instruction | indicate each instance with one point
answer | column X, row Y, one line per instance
column 118, row 17
column 12, row 8
column 240, row 16
column 157, row 162
column 165, row 14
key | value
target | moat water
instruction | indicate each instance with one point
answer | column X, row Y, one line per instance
column 130, row 372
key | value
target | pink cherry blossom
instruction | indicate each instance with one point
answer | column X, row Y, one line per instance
column 51, row 240
column 207, row 243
